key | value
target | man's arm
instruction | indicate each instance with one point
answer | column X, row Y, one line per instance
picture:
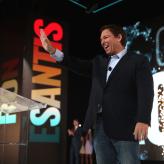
column 54, row 52
column 145, row 94
column 78, row 66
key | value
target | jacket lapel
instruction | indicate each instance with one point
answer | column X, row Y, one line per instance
column 103, row 70
column 119, row 66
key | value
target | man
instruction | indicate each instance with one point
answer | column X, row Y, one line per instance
column 75, row 133
column 120, row 101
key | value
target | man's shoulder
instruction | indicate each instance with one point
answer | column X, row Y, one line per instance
column 137, row 57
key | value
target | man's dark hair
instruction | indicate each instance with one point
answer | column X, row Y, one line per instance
column 116, row 30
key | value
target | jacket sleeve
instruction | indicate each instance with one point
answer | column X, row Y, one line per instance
column 79, row 66
column 76, row 65
column 145, row 90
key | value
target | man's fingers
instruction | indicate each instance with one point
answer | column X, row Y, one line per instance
column 42, row 33
column 135, row 135
column 139, row 135
column 44, row 40
column 43, row 37
column 141, row 131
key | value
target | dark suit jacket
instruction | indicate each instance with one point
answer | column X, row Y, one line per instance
column 126, row 98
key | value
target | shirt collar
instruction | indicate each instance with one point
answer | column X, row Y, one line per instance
column 120, row 54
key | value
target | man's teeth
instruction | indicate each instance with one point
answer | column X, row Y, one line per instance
column 106, row 46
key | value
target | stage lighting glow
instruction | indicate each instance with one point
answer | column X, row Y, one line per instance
column 95, row 6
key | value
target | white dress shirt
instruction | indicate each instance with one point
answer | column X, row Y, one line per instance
column 113, row 62
column 58, row 55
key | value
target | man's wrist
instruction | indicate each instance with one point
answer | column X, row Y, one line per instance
column 56, row 54
column 51, row 50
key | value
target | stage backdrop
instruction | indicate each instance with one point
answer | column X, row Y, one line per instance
column 13, row 138
column 29, row 71
column 45, row 81
column 147, row 38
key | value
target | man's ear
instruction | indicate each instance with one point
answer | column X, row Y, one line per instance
column 119, row 37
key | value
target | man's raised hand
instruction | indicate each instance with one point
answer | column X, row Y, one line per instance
column 46, row 43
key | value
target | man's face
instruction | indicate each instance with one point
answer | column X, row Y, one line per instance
column 110, row 43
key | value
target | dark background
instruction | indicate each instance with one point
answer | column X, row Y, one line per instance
column 16, row 15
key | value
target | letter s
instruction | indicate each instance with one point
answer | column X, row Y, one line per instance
column 51, row 27
column 40, row 120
